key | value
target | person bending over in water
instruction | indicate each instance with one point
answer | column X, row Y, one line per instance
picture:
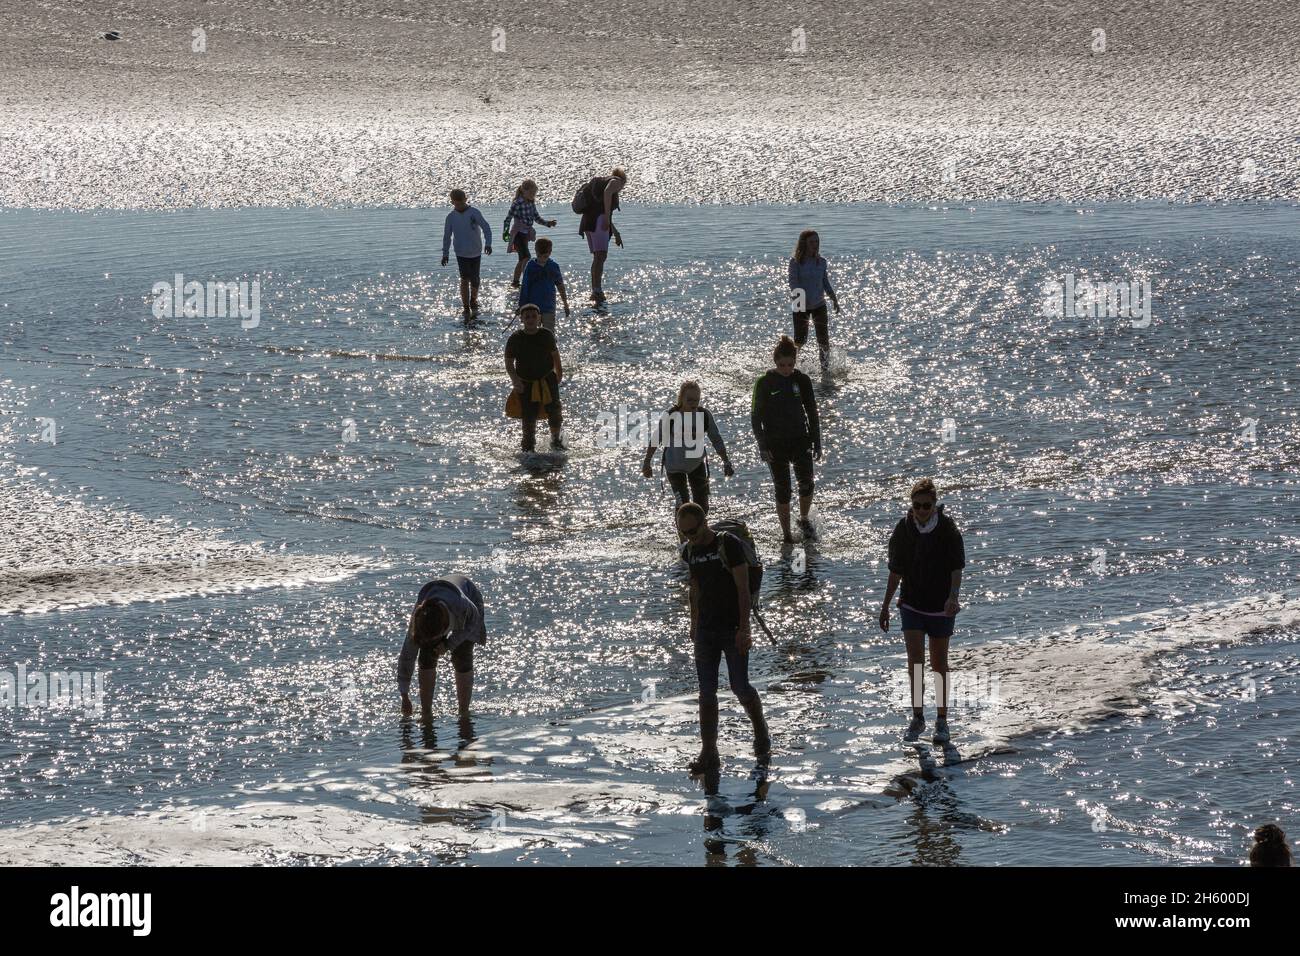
column 926, row 554
column 448, row 618
column 601, row 200
column 784, row 418
column 533, row 364
column 688, row 473
column 809, row 286
column 719, row 628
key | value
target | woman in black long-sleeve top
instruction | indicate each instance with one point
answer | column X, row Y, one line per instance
column 784, row 418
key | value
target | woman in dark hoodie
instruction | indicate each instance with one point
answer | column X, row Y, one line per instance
column 783, row 415
column 926, row 554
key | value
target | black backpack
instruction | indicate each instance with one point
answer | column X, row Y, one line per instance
column 738, row 530
column 591, row 195
column 582, row 199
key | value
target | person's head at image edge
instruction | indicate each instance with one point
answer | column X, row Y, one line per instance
column 1270, row 847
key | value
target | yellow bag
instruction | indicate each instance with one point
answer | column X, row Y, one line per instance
column 514, row 405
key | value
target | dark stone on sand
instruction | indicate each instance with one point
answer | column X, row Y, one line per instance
column 112, row 35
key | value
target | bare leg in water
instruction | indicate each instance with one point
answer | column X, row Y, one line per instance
column 598, row 274
column 464, row 690
column 916, row 675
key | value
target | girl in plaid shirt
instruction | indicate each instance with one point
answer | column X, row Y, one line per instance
column 524, row 213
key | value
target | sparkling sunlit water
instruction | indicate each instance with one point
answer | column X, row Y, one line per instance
column 208, row 528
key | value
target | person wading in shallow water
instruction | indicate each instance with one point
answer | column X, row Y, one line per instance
column 720, row 604
column 810, row 286
column 533, row 364
column 688, row 473
column 542, row 280
column 448, row 618
column 463, row 225
column 784, row 418
column 518, row 229
column 596, row 203
column 926, row 554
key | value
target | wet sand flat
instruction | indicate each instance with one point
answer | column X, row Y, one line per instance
column 380, row 103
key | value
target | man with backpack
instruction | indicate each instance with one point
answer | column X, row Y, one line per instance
column 725, row 574
column 596, row 202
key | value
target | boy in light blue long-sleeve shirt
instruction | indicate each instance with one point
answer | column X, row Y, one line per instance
column 463, row 224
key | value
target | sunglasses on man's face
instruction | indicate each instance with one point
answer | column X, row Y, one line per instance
column 922, row 505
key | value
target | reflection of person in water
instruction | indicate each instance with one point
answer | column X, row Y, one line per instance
column 448, row 619
column 935, row 821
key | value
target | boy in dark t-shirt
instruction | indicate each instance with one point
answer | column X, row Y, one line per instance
column 720, row 603
column 533, row 364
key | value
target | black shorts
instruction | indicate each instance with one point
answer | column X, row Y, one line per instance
column 462, row 657
column 930, row 624
column 803, row 469
column 519, row 243
column 469, row 267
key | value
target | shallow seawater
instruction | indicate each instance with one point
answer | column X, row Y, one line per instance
column 232, row 522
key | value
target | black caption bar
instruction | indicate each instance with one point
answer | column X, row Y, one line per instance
column 261, row 905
